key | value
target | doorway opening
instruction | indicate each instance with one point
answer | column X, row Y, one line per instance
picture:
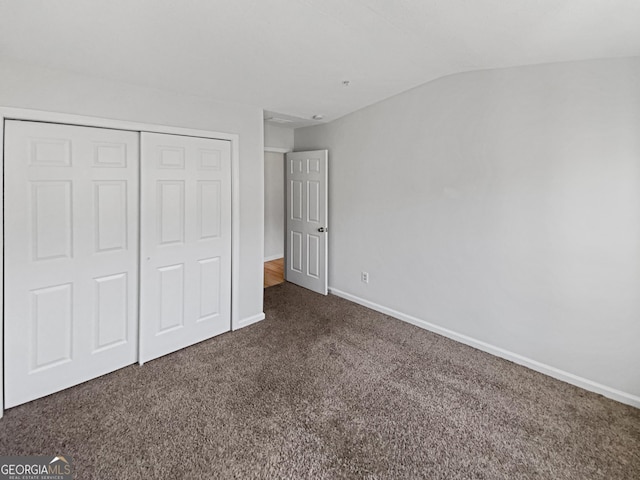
column 274, row 215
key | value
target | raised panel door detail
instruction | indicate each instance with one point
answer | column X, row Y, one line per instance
column 171, row 212
column 72, row 258
column 50, row 152
column 110, row 311
column 209, row 288
column 110, row 200
column 51, row 323
column 313, row 165
column 295, row 166
column 52, row 226
column 209, row 159
column 110, row 155
column 296, row 251
column 313, row 201
column 209, row 208
column 185, row 272
column 313, row 256
column 296, row 200
column 306, row 180
column 171, row 297
column 171, row 157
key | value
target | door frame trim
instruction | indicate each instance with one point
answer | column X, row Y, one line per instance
column 11, row 113
column 277, row 150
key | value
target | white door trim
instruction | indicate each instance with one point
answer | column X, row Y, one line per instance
column 11, row 113
column 277, row 150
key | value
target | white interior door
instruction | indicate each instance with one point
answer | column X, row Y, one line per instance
column 71, row 218
column 185, row 242
column 307, row 245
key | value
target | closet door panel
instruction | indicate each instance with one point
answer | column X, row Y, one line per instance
column 71, row 263
column 185, row 242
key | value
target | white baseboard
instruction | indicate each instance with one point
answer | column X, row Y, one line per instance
column 576, row 380
column 245, row 322
column 274, row 257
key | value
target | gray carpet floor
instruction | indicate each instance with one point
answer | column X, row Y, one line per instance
column 324, row 388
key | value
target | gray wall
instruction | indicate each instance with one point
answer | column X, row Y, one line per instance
column 273, row 205
column 503, row 205
column 25, row 86
column 277, row 137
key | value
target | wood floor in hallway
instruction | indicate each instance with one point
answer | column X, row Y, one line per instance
column 273, row 272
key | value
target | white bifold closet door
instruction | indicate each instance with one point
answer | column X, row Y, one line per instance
column 185, row 242
column 71, row 256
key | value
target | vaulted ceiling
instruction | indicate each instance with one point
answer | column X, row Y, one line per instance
column 292, row 56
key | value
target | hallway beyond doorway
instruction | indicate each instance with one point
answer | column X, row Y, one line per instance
column 273, row 272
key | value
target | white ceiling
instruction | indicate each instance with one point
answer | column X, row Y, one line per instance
column 291, row 56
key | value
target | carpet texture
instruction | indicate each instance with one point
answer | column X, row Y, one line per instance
column 324, row 388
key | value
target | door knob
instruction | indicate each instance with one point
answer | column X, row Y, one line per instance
column 322, row 229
